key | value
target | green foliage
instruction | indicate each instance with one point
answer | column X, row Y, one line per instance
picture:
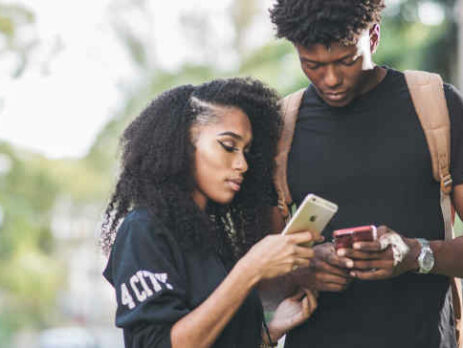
column 458, row 226
column 406, row 43
column 28, row 273
column 12, row 18
column 276, row 64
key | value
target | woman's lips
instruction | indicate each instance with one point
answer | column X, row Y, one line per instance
column 235, row 185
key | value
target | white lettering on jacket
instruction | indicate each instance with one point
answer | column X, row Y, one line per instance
column 143, row 284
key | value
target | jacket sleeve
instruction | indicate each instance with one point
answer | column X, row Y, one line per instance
column 147, row 274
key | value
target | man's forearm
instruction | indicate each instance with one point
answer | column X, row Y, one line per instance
column 448, row 257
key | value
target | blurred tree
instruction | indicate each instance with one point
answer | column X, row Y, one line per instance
column 28, row 274
column 428, row 30
column 132, row 21
column 14, row 18
column 243, row 13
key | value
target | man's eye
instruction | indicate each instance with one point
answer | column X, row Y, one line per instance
column 349, row 61
column 311, row 66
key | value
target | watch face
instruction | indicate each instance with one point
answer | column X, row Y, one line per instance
column 428, row 261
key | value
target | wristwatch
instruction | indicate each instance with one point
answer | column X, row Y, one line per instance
column 426, row 257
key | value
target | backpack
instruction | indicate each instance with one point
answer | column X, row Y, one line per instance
column 427, row 93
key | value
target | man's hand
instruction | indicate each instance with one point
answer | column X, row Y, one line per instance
column 372, row 261
column 327, row 271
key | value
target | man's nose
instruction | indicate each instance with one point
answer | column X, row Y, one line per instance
column 333, row 77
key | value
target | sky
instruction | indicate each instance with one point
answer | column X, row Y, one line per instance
column 70, row 87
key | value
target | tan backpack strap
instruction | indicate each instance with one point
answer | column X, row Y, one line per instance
column 289, row 109
column 428, row 97
column 427, row 92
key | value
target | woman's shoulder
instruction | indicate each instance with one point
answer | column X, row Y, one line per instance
column 140, row 227
column 142, row 244
column 141, row 219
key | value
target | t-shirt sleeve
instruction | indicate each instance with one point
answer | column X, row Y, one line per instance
column 455, row 106
column 145, row 269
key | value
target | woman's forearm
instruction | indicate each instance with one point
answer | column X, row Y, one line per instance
column 202, row 326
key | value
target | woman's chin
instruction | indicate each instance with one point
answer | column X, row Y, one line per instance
column 223, row 200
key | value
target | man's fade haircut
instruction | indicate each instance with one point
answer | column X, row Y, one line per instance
column 308, row 22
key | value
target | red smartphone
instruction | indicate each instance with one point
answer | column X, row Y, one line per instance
column 345, row 237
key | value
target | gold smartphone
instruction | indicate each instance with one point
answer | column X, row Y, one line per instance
column 313, row 214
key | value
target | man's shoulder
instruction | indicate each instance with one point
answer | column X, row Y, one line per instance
column 453, row 93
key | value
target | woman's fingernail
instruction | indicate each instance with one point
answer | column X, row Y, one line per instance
column 356, row 246
column 341, row 252
column 352, row 274
column 349, row 263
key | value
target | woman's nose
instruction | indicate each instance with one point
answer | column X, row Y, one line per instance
column 240, row 163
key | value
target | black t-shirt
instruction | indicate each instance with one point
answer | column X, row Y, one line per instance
column 157, row 283
column 371, row 158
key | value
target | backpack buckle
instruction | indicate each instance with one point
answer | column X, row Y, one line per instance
column 446, row 184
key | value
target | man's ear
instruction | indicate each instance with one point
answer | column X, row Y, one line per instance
column 375, row 34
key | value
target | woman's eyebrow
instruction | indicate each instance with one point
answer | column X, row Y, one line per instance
column 232, row 134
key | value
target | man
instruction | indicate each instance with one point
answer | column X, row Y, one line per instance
column 358, row 142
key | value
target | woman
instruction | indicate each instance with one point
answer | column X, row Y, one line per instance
column 195, row 186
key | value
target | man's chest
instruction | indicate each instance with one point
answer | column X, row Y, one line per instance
column 357, row 149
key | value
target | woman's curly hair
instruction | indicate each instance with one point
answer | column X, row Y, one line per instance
column 308, row 22
column 158, row 165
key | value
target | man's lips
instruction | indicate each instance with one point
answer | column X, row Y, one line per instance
column 335, row 96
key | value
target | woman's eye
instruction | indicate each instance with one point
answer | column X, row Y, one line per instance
column 227, row 147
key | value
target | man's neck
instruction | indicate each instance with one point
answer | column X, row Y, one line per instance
column 372, row 78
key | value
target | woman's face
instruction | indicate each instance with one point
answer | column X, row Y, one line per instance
column 220, row 162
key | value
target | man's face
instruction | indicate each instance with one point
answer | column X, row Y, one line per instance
column 338, row 71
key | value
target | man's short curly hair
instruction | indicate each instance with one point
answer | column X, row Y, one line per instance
column 308, row 22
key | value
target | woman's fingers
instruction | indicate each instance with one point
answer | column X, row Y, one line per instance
column 299, row 237
column 301, row 262
column 304, row 252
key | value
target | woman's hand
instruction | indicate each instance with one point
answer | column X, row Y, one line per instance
column 277, row 254
column 292, row 312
